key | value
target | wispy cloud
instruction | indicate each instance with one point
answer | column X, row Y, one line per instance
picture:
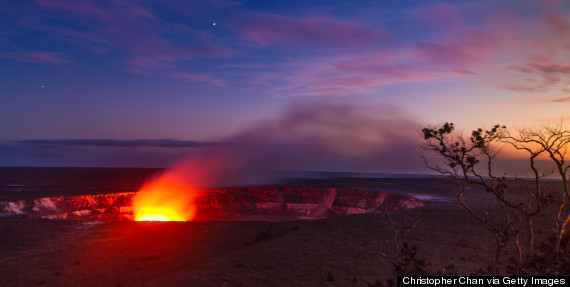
column 361, row 74
column 334, row 55
column 562, row 100
column 81, row 8
column 163, row 143
column 314, row 31
column 146, row 42
column 37, row 57
column 544, row 67
column 199, row 78
column 452, row 48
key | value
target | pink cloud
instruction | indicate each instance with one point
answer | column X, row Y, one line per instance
column 354, row 75
column 447, row 54
column 163, row 52
column 465, row 51
column 545, row 66
column 37, row 57
column 455, row 48
column 556, row 22
column 142, row 65
column 460, row 51
column 551, row 68
column 347, row 75
column 387, row 64
column 154, row 53
column 267, row 29
column 199, row 78
column 562, row 100
column 359, row 74
column 351, row 81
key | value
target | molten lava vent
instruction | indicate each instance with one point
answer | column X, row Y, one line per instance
column 217, row 204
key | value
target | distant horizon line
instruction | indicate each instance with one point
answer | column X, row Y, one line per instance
column 291, row 173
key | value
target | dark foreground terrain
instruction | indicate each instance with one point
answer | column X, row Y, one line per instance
column 340, row 251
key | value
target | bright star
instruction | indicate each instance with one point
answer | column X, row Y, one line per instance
column 214, row 24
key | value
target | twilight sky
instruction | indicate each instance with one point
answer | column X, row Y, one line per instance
column 141, row 83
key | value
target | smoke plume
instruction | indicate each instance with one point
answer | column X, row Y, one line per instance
column 329, row 137
column 323, row 137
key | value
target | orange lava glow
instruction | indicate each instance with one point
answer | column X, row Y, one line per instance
column 157, row 217
column 164, row 199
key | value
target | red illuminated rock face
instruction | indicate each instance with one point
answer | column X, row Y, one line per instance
column 221, row 203
column 112, row 206
column 298, row 201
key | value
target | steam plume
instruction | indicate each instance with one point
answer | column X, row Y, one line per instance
column 304, row 137
column 331, row 137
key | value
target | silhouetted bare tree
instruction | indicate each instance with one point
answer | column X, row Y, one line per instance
column 551, row 141
column 470, row 161
column 461, row 158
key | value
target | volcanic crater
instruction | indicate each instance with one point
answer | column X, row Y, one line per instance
column 245, row 203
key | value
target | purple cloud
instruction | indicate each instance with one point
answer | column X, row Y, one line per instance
column 37, row 57
column 551, row 68
column 199, row 78
column 454, row 48
column 556, row 22
column 435, row 41
column 319, row 31
column 145, row 38
column 343, row 75
column 86, row 9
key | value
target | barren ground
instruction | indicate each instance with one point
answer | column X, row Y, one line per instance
column 245, row 253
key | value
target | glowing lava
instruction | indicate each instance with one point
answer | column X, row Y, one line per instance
column 156, row 217
column 167, row 198
column 153, row 213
